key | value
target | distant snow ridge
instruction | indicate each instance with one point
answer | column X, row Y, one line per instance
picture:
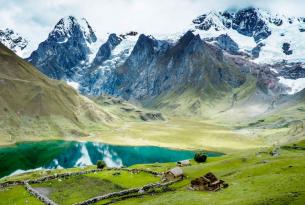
column 13, row 41
column 274, row 37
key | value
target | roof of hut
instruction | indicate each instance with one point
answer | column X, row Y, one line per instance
column 177, row 171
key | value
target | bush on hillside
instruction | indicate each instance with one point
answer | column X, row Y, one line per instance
column 200, row 157
column 100, row 164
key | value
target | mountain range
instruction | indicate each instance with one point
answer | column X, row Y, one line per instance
column 74, row 53
column 228, row 61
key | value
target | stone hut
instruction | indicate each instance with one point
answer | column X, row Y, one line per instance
column 173, row 174
column 208, row 182
column 183, row 163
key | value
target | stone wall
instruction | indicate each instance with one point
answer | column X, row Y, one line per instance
column 11, row 183
column 127, row 192
column 39, row 196
column 47, row 201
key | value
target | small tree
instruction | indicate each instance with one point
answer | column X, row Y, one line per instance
column 200, row 157
column 100, row 164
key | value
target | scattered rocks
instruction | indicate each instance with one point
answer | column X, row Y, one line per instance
column 152, row 116
column 116, row 174
column 294, row 147
column 286, row 49
column 257, row 49
column 275, row 152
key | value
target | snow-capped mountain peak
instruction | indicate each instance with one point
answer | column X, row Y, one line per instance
column 265, row 36
column 211, row 20
column 70, row 45
column 13, row 41
column 71, row 26
column 251, row 22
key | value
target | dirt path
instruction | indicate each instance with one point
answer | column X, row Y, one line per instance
column 43, row 190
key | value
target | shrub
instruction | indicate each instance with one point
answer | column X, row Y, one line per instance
column 200, row 157
column 100, row 164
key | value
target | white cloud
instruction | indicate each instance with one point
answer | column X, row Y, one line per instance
column 34, row 19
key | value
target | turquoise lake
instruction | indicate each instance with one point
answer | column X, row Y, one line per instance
column 66, row 154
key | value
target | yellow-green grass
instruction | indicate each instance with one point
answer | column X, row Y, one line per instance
column 79, row 188
column 126, row 179
column 177, row 133
column 17, row 195
column 253, row 179
column 76, row 189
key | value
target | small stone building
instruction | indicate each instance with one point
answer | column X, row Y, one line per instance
column 184, row 163
column 173, row 174
column 208, row 182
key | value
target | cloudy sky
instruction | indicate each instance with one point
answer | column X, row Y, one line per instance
column 34, row 19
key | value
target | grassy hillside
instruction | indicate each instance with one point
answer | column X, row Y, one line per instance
column 33, row 107
column 254, row 178
column 206, row 103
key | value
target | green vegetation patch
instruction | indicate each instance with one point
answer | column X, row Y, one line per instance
column 76, row 189
column 17, row 195
column 126, row 179
column 79, row 188
column 254, row 178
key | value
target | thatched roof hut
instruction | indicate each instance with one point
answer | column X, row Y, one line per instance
column 173, row 174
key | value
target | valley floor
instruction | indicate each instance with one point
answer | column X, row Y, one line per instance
column 177, row 133
column 254, row 177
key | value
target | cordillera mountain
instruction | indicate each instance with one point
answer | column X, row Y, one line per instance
column 248, row 62
column 74, row 53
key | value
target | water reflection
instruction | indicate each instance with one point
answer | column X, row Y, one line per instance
column 62, row 154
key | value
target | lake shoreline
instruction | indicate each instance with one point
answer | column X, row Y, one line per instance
column 54, row 154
